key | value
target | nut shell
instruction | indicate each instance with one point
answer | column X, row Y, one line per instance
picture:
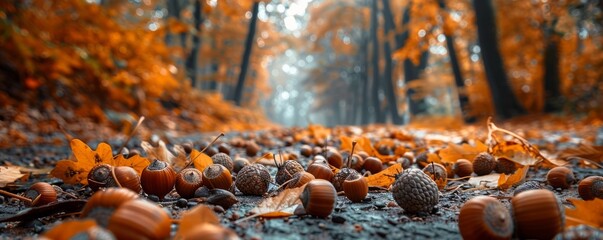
column 299, row 179
column 102, row 204
column 252, row 148
column 463, row 168
column 484, row 164
column 101, row 176
column 217, row 176
column 334, row 158
column 320, row 171
column 560, row 177
column 127, row 177
column 484, row 217
column 224, row 160
column 415, row 192
column 591, row 188
column 287, row 170
column 318, row 198
column 340, row 177
column 140, row 219
column 41, row 193
column 437, row 172
column 356, row 162
column 305, row 150
column 240, row 163
column 253, row 180
column 537, row 214
column 504, row 165
column 355, row 187
column 188, row 181
column 373, row 165
column 158, row 179
column 222, row 198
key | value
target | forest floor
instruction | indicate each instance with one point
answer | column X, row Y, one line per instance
column 376, row 217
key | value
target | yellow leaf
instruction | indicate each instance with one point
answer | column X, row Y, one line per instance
column 585, row 212
column 454, row 152
column 9, row 174
column 505, row 182
column 200, row 160
column 137, row 162
column 85, row 155
column 70, row 172
column 384, row 178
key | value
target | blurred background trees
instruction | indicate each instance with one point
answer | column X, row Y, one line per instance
column 300, row 61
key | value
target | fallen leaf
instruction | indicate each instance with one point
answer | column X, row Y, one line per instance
column 585, row 212
column 200, row 160
column 281, row 205
column 68, row 229
column 505, row 182
column 488, row 181
column 364, row 144
column 137, row 162
column 160, row 152
column 594, row 153
column 9, row 174
column 201, row 214
column 70, row 172
column 385, row 178
column 319, row 133
column 180, row 159
column 454, row 152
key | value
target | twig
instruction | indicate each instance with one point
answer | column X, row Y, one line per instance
column 123, row 145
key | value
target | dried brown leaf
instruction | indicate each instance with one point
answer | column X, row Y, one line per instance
column 9, row 174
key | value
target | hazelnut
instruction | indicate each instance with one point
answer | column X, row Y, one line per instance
column 318, row 198
column 538, row 214
column 224, row 160
column 463, row 168
column 484, row 164
column 504, row 165
column 560, row 177
column 484, row 217
column 591, row 188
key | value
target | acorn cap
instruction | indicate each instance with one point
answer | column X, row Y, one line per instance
column 224, row 160
column 414, row 191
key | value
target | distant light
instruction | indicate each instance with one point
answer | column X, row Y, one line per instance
column 474, row 57
column 248, row 15
column 153, row 26
column 441, row 38
column 280, row 8
column 139, row 12
column 476, row 49
column 291, row 23
column 173, row 69
column 422, row 33
column 525, row 88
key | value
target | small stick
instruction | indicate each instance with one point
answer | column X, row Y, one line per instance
column 202, row 151
column 123, row 145
column 22, row 198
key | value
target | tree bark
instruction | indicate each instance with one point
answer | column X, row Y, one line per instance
column 551, row 81
column 238, row 94
column 505, row 102
column 365, row 113
column 379, row 118
column 388, row 83
column 192, row 61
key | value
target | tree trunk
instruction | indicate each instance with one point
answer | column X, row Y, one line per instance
column 375, row 63
column 365, row 113
column 388, row 83
column 192, row 61
column 551, row 81
column 505, row 102
column 238, row 94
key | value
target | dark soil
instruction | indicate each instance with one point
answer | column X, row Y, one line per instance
column 377, row 217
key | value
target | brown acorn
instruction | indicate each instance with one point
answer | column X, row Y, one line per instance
column 251, row 148
column 483, row 164
column 463, row 168
column 239, row 163
column 355, row 187
column 356, row 162
column 538, row 214
column 106, row 176
column 320, row 171
column 422, row 159
column 406, row 162
column 187, row 182
column 340, row 177
column 305, row 150
column 208, row 231
column 224, row 148
column 224, row 160
column 140, row 219
column 334, row 158
column 560, row 177
column 41, row 193
column 158, row 179
column 102, row 204
column 437, row 173
column 591, row 188
column 217, row 176
column 299, row 179
column 484, row 217
column 318, row 198
column 253, row 180
column 373, row 165
column 127, row 177
column 286, row 170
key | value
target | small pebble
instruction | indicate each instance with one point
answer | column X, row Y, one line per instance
column 182, row 203
column 380, row 205
column 191, row 204
column 218, row 209
column 1, row 199
column 153, row 198
column 338, row 219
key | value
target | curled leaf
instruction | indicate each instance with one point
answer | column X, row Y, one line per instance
column 281, row 205
column 505, row 182
column 454, row 152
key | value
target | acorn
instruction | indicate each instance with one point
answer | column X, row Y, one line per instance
column 239, row 163
column 316, row 150
column 221, row 198
column 319, row 159
column 318, row 198
column 422, row 159
column 334, row 158
column 415, row 192
column 127, row 177
column 299, row 179
column 224, row 160
column 463, row 168
column 373, row 165
column 224, row 148
column 158, row 179
column 40, row 193
column 504, row 165
column 580, row 232
column 286, row 170
column 140, row 219
column 560, row 177
column 355, row 187
column 210, row 231
column 305, row 150
column 252, row 148
column 591, row 188
column 363, row 155
column 101, row 176
column 320, row 170
column 253, row 180
column 437, row 172
column 484, row 217
column 483, row 164
column 538, row 214
column 340, row 177
column 187, row 182
column 102, row 204
column 217, row 176
column 356, row 162
column 406, row 162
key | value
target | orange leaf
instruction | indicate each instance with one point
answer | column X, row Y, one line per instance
column 201, row 214
column 319, row 132
column 9, row 174
column 281, row 205
column 384, row 178
column 454, row 152
column 200, row 160
column 70, row 172
column 137, row 162
column 85, row 155
column 585, row 212
column 505, row 182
